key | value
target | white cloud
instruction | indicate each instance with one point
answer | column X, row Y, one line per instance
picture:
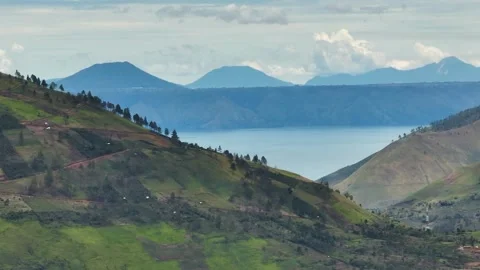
column 426, row 55
column 345, row 8
column 241, row 14
column 429, row 53
column 253, row 64
column 5, row 62
column 403, row 64
column 17, row 48
column 288, row 73
column 340, row 52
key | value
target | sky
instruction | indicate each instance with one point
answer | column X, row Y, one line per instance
column 181, row 40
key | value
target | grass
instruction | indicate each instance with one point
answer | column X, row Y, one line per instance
column 102, row 120
column 463, row 183
column 23, row 110
column 245, row 254
column 92, row 248
column 408, row 165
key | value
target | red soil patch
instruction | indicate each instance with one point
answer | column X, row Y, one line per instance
column 3, row 178
column 450, row 179
column 84, row 163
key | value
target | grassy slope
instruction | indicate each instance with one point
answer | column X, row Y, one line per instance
column 342, row 174
column 219, row 218
column 410, row 164
column 452, row 201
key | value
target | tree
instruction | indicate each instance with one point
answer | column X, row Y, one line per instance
column 118, row 109
column 53, row 86
column 33, row 187
column 219, row 148
column 44, row 84
column 17, row 74
column 264, row 160
column 166, row 132
column 61, row 88
column 247, row 157
column 145, row 121
column 233, row 166
column 126, row 114
column 175, row 137
column 255, row 159
column 21, row 140
column 49, row 177
column 136, row 119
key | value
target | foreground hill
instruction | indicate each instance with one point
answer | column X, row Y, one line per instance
column 450, row 69
column 236, row 77
column 451, row 202
column 235, row 108
column 113, row 76
column 85, row 188
column 415, row 161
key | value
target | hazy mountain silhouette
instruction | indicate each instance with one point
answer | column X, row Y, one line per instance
column 236, row 76
column 450, row 69
column 115, row 75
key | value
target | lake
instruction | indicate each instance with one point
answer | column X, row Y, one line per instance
column 311, row 152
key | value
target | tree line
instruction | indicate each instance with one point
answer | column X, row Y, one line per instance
column 89, row 98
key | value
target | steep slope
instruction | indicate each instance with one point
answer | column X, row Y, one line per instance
column 236, row 76
column 421, row 158
column 341, row 174
column 450, row 69
column 113, row 76
column 451, row 202
column 83, row 188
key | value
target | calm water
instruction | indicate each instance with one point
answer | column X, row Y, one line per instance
column 311, row 152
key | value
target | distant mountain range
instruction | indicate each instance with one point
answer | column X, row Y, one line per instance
column 114, row 76
column 236, row 76
column 124, row 75
column 450, row 69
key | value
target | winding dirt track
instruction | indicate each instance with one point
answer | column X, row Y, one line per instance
column 84, row 163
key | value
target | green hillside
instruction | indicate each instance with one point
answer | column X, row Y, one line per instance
column 86, row 185
column 452, row 202
column 411, row 163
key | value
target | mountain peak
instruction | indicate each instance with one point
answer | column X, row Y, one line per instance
column 114, row 75
column 451, row 60
column 237, row 77
column 449, row 69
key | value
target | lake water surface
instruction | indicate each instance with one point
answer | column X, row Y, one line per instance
column 311, row 152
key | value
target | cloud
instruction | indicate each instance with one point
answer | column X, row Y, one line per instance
column 429, row 53
column 338, row 8
column 121, row 10
column 403, row 64
column 277, row 70
column 17, row 48
column 343, row 8
column 231, row 13
column 5, row 62
column 426, row 55
column 340, row 52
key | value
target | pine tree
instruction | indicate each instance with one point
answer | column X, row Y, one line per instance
column 49, row 177
column 264, row 160
column 21, row 140
column 61, row 88
column 175, row 137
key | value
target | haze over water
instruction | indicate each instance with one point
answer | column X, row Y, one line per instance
column 311, row 152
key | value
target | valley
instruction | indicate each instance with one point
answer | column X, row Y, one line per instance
column 97, row 191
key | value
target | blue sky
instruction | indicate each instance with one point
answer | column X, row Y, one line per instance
column 182, row 40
